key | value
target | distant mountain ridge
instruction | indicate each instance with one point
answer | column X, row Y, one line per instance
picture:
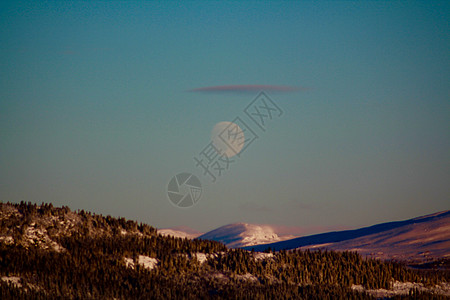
column 181, row 232
column 243, row 234
column 418, row 239
column 414, row 239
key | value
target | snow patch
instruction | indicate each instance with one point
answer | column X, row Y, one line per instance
column 147, row 262
column 247, row 277
column 8, row 240
column 220, row 276
column 201, row 257
column 177, row 233
column 403, row 288
column 14, row 280
column 40, row 237
column 129, row 262
column 262, row 256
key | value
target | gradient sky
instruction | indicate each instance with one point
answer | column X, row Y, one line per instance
column 95, row 111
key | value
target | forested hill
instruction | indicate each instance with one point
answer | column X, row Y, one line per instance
column 51, row 253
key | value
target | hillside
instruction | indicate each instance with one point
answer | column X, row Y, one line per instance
column 418, row 239
column 48, row 253
column 414, row 242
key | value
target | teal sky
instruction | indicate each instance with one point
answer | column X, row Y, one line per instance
column 95, row 113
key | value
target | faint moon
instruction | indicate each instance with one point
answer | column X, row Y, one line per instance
column 228, row 138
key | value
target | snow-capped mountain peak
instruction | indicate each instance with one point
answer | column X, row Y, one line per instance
column 243, row 234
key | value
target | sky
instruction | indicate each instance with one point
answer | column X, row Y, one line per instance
column 97, row 110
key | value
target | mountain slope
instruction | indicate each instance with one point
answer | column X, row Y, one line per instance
column 414, row 239
column 411, row 242
column 243, row 234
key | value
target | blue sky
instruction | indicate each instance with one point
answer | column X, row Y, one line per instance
column 95, row 113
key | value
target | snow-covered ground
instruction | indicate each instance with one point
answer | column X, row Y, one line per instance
column 43, row 231
column 14, row 280
column 412, row 242
column 38, row 231
column 178, row 233
column 7, row 239
column 419, row 239
column 403, row 288
column 201, row 257
column 262, row 255
column 129, row 262
column 145, row 261
column 246, row 277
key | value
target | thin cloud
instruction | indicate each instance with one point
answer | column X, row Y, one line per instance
column 248, row 88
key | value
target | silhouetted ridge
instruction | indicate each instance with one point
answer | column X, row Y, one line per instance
column 339, row 236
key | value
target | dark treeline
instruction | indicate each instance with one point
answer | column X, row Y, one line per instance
column 92, row 266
